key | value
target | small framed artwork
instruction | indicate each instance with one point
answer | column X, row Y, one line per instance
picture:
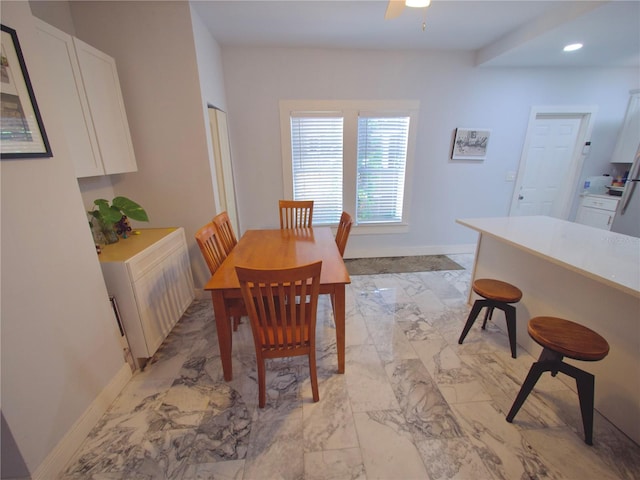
column 23, row 134
column 470, row 144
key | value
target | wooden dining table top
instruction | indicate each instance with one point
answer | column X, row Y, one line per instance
column 282, row 248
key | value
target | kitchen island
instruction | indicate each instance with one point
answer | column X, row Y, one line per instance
column 584, row 274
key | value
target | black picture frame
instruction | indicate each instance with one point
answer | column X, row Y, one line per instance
column 22, row 130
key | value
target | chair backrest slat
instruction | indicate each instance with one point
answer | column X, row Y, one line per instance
column 282, row 305
column 296, row 213
column 210, row 247
column 226, row 235
column 344, row 229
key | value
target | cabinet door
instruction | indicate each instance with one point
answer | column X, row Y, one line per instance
column 163, row 287
column 595, row 217
column 629, row 137
column 100, row 79
column 73, row 109
column 179, row 280
column 157, row 315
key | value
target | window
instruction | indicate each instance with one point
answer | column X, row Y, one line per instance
column 382, row 158
column 316, row 151
column 352, row 156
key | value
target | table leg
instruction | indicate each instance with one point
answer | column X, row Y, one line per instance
column 339, row 315
column 224, row 332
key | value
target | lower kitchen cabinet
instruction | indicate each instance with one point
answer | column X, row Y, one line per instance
column 597, row 211
column 150, row 277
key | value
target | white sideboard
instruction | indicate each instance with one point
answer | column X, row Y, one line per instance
column 90, row 105
column 149, row 275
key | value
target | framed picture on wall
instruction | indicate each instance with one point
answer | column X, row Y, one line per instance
column 23, row 134
column 470, row 144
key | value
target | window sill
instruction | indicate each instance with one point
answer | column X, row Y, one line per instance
column 380, row 229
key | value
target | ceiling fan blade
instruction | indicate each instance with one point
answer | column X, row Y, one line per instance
column 394, row 9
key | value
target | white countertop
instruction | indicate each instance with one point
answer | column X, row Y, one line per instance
column 608, row 257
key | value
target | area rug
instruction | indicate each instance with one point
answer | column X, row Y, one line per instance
column 421, row 263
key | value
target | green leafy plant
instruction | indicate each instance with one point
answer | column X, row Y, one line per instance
column 110, row 214
column 107, row 216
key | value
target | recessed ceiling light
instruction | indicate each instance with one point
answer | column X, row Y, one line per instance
column 572, row 47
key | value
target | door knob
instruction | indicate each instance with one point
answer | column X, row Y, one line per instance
column 520, row 197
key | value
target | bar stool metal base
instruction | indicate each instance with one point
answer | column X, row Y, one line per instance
column 551, row 361
column 510, row 315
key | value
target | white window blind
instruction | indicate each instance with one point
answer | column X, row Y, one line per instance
column 317, row 155
column 381, row 165
column 351, row 155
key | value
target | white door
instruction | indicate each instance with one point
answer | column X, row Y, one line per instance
column 551, row 162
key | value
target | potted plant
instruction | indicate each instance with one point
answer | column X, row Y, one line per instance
column 109, row 220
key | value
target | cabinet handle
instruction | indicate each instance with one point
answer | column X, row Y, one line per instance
column 609, row 221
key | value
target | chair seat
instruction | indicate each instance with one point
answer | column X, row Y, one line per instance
column 497, row 290
column 568, row 338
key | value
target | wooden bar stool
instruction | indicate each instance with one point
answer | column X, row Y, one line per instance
column 495, row 294
column 563, row 338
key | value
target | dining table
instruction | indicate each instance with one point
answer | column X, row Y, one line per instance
column 273, row 249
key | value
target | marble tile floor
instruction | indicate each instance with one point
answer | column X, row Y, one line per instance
column 412, row 404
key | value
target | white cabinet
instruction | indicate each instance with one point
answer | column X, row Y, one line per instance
column 90, row 106
column 629, row 137
column 150, row 276
column 101, row 83
column 597, row 211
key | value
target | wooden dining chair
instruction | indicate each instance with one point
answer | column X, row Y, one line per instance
column 207, row 238
column 226, row 235
column 342, row 234
column 282, row 306
column 296, row 213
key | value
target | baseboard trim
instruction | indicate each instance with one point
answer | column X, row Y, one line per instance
column 64, row 451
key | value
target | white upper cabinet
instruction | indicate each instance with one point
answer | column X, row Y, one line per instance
column 73, row 109
column 104, row 96
column 629, row 136
column 90, row 105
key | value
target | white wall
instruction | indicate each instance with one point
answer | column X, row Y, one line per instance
column 452, row 92
column 153, row 45
column 54, row 12
column 59, row 346
column 209, row 61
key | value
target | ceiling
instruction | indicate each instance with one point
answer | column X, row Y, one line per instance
column 517, row 33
